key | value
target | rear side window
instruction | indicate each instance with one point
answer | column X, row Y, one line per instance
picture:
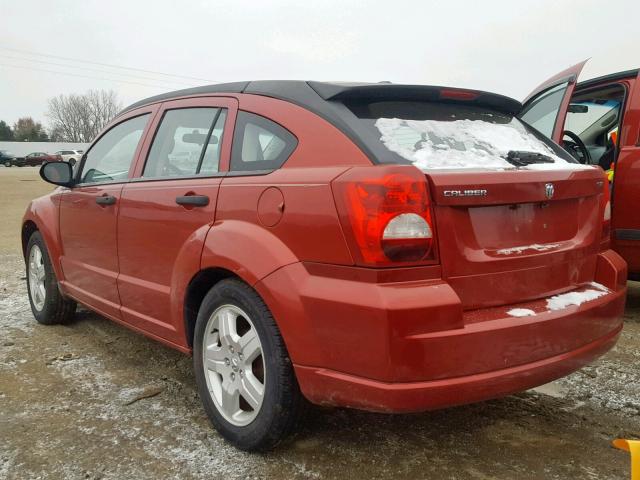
column 110, row 157
column 187, row 143
column 439, row 135
column 260, row 144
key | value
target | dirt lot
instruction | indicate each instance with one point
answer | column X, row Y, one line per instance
column 70, row 408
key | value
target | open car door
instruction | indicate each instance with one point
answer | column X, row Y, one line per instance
column 546, row 107
column 625, row 214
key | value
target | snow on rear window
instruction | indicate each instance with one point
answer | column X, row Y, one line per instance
column 464, row 143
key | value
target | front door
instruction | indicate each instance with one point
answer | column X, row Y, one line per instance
column 625, row 215
column 166, row 211
column 89, row 213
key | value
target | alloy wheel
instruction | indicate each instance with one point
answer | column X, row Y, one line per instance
column 234, row 365
column 36, row 278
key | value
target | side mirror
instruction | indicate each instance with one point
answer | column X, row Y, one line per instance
column 58, row 173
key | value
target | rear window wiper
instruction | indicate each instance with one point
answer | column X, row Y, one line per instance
column 521, row 158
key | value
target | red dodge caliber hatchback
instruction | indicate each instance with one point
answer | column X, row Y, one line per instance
column 393, row 248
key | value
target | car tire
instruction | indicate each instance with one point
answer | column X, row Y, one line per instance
column 281, row 404
column 48, row 305
column 7, row 164
column 72, row 162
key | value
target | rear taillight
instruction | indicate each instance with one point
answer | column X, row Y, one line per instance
column 386, row 215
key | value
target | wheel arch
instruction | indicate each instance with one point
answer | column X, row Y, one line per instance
column 42, row 216
column 29, row 227
column 225, row 256
column 198, row 287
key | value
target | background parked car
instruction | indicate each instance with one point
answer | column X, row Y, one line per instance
column 37, row 158
column 71, row 156
column 7, row 158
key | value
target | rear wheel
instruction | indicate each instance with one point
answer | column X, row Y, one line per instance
column 7, row 163
column 47, row 303
column 244, row 375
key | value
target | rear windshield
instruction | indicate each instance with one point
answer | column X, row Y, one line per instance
column 436, row 135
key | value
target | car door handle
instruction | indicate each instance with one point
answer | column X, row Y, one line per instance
column 106, row 200
column 193, row 200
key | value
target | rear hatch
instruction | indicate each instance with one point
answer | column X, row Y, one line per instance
column 508, row 240
column 517, row 218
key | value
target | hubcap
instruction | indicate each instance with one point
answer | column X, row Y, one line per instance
column 36, row 277
column 234, row 365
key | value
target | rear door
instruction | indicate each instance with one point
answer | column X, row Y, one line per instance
column 546, row 107
column 625, row 216
column 166, row 211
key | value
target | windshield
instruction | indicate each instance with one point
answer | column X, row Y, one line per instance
column 579, row 122
column 436, row 135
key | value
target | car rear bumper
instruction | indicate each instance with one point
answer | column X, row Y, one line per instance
column 409, row 346
column 328, row 387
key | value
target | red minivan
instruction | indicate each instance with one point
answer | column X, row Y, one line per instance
column 598, row 122
column 392, row 248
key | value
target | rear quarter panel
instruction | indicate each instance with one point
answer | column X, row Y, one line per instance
column 302, row 222
column 267, row 221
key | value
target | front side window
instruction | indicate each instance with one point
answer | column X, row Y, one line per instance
column 260, row 144
column 187, row 143
column 109, row 158
column 541, row 113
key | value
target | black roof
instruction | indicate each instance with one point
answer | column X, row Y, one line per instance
column 608, row 78
column 327, row 100
column 307, row 93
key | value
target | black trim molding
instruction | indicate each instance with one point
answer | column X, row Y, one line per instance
column 627, row 234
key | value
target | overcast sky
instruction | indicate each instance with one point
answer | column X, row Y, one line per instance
column 504, row 46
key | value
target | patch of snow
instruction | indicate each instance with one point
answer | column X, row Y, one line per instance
column 535, row 246
column 558, row 302
column 521, row 312
column 432, row 144
column 599, row 286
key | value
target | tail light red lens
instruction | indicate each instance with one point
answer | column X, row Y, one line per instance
column 386, row 214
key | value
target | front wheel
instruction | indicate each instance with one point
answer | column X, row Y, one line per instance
column 47, row 303
column 7, row 163
column 244, row 374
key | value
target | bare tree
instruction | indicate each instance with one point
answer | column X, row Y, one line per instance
column 79, row 118
column 27, row 129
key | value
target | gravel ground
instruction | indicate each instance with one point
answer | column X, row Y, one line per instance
column 93, row 400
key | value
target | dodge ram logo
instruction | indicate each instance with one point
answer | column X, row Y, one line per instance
column 549, row 190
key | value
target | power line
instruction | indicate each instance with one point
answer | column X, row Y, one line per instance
column 84, row 76
column 110, row 65
column 95, row 70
